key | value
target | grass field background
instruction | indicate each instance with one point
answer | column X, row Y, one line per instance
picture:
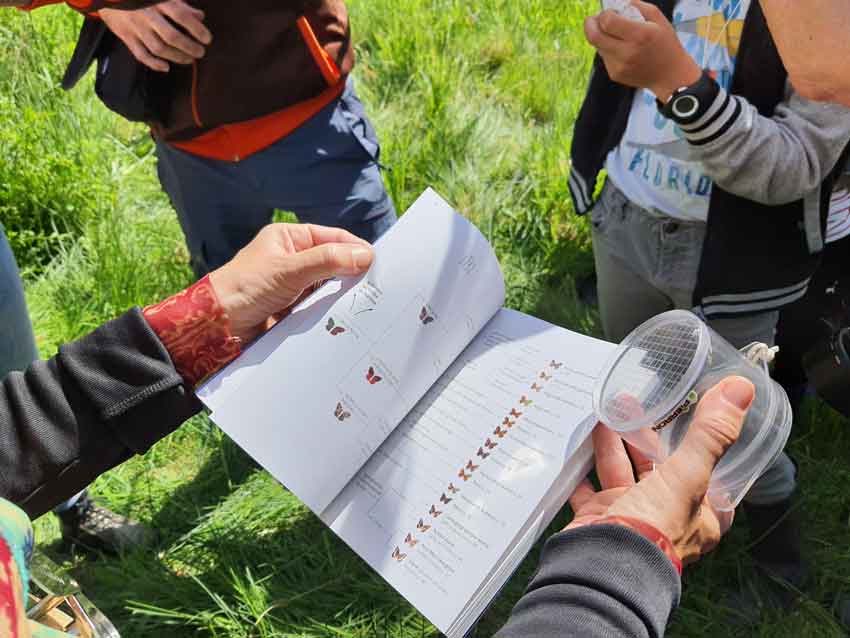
column 475, row 99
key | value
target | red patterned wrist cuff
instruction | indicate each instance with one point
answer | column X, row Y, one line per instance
column 649, row 532
column 195, row 330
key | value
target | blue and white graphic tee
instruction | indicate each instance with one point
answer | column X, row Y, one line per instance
column 651, row 164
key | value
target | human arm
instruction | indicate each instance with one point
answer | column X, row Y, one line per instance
column 771, row 160
column 117, row 391
column 812, row 40
column 171, row 31
column 615, row 570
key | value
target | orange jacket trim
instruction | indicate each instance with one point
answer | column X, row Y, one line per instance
column 235, row 142
column 326, row 65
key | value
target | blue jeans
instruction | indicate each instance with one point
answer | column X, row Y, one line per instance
column 326, row 172
column 17, row 344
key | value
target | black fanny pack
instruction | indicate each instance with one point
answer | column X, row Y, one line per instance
column 123, row 84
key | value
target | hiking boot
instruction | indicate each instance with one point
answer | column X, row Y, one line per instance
column 781, row 570
column 99, row 529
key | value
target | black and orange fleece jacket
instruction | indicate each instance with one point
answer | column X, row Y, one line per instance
column 271, row 66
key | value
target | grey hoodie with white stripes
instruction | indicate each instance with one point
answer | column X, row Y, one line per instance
column 772, row 156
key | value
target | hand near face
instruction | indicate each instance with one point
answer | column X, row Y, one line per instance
column 643, row 55
column 671, row 497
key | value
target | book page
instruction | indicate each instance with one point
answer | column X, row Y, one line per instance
column 345, row 369
column 438, row 505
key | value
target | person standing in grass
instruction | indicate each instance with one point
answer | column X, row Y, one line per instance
column 719, row 180
column 258, row 112
column 255, row 111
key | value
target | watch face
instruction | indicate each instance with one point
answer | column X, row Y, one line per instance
column 685, row 106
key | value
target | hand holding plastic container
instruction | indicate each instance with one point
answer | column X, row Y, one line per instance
column 654, row 380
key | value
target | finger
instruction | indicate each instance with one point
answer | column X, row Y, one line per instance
column 175, row 40
column 141, row 53
column 613, row 465
column 620, row 27
column 189, row 18
column 596, row 36
column 725, row 519
column 715, row 428
column 650, row 12
column 327, row 261
column 158, row 48
column 582, row 495
column 643, row 465
column 304, row 236
column 326, row 235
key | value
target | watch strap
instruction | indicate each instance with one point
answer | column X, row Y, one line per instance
column 689, row 104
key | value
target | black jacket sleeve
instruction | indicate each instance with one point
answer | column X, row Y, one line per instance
column 602, row 581
column 100, row 400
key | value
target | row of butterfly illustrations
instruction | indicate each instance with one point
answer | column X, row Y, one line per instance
column 335, row 329
column 465, row 473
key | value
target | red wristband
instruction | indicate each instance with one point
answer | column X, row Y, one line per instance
column 195, row 330
column 649, row 532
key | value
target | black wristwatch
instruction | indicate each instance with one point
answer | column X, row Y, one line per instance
column 689, row 103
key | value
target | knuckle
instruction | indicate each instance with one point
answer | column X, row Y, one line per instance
column 329, row 255
column 722, row 431
column 157, row 47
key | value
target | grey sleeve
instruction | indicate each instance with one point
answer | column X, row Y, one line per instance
column 775, row 160
column 602, row 581
column 103, row 398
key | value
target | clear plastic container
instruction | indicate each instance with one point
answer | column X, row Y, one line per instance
column 653, row 381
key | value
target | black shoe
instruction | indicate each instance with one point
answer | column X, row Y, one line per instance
column 99, row 529
column 781, row 570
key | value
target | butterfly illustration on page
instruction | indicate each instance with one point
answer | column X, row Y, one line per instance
column 410, row 540
column 453, row 489
column 422, row 527
column 482, row 453
column 371, row 377
column 425, row 317
column 508, row 423
column 500, row 432
column 555, row 366
column 334, row 329
column 445, row 500
column 525, row 401
column 435, row 512
column 536, row 388
column 471, row 466
column 489, row 444
column 545, row 377
column 341, row 413
column 515, row 414
column 462, row 474
column 398, row 555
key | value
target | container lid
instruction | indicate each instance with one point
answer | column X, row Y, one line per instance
column 653, row 371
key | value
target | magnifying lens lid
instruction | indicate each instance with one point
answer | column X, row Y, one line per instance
column 652, row 372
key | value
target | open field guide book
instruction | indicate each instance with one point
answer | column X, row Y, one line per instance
column 434, row 431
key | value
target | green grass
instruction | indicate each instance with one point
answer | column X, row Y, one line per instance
column 475, row 99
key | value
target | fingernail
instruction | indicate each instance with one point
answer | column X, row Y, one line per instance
column 739, row 392
column 362, row 258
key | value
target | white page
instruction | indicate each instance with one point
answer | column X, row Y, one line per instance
column 553, row 502
column 404, row 487
column 347, row 368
